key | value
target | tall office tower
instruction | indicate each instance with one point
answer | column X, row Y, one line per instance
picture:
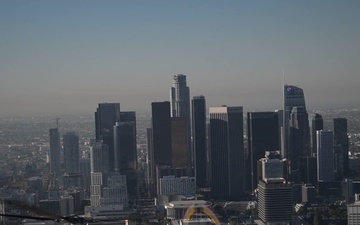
column 227, row 152
column 160, row 151
column 178, row 143
column 106, row 116
column 85, row 170
column 199, row 139
column 263, row 135
column 55, row 148
column 293, row 97
column 299, row 140
column 71, row 152
column 274, row 191
column 126, row 150
column 99, row 156
column 150, row 165
column 307, row 167
column 342, row 141
column 325, row 155
column 180, row 107
column 317, row 123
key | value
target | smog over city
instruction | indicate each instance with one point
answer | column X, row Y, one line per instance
column 165, row 112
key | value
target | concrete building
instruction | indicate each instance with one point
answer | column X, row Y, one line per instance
column 274, row 191
column 353, row 212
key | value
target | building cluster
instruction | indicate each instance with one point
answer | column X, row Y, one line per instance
column 278, row 159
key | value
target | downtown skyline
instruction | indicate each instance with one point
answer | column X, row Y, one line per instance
column 65, row 57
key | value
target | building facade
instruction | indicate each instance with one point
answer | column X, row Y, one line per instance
column 199, row 140
column 106, row 116
column 227, row 152
column 55, row 152
column 71, row 152
column 325, row 155
column 263, row 135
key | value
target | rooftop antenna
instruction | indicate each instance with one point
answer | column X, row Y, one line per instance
column 57, row 122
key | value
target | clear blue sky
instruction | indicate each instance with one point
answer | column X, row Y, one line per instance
column 65, row 57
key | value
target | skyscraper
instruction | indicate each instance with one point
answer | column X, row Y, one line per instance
column 317, row 123
column 294, row 97
column 342, row 141
column 325, row 155
column 227, row 152
column 126, row 150
column 299, row 140
column 55, row 148
column 106, row 116
column 180, row 107
column 160, row 149
column 179, row 153
column 125, row 142
column 71, row 152
column 263, row 135
column 199, row 139
column 274, row 191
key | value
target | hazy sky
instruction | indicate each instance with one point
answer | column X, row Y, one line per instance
column 65, row 57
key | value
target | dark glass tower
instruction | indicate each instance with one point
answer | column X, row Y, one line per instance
column 299, row 140
column 179, row 153
column 160, row 151
column 106, row 116
column 295, row 131
column 227, row 152
column 71, row 152
column 55, row 148
column 263, row 135
column 125, row 149
column 317, row 123
column 341, row 141
column 199, row 139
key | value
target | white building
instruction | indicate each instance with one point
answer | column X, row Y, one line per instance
column 353, row 212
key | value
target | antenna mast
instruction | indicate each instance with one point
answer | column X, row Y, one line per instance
column 57, row 122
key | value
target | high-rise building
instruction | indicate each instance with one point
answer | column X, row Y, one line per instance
column 160, row 149
column 263, row 135
column 227, row 152
column 294, row 98
column 99, row 156
column 299, row 140
column 342, row 141
column 308, row 166
column 317, row 123
column 274, row 191
column 180, row 107
column 55, row 154
column 199, row 139
column 179, row 153
column 126, row 149
column 71, row 152
column 106, row 116
column 325, row 155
